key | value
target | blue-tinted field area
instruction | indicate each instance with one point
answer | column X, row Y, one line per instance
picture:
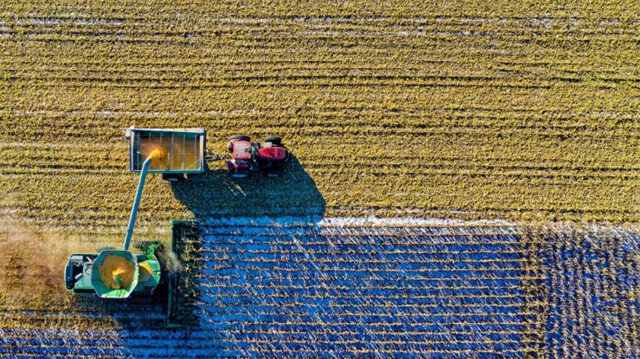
column 367, row 290
column 593, row 280
column 376, row 288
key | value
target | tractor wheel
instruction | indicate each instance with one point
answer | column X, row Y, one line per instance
column 240, row 137
column 274, row 140
column 105, row 248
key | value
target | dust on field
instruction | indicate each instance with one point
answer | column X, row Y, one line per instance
column 32, row 264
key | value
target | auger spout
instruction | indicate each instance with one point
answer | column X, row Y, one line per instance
column 155, row 155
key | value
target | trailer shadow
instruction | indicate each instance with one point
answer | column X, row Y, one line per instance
column 214, row 194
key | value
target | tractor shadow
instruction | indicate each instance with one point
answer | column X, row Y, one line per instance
column 215, row 194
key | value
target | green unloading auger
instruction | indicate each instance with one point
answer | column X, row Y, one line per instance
column 116, row 273
column 155, row 155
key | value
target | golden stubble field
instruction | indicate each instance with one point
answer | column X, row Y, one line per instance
column 456, row 109
column 522, row 111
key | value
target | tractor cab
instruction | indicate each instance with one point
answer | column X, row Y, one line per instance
column 241, row 150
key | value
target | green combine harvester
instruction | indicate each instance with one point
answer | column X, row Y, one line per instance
column 121, row 273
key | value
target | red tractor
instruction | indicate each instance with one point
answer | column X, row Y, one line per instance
column 247, row 157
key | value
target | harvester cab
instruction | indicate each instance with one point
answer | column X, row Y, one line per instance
column 120, row 273
column 114, row 273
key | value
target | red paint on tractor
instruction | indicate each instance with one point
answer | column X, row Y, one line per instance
column 241, row 150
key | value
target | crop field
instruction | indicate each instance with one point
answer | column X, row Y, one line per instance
column 333, row 288
column 465, row 180
column 460, row 109
column 352, row 287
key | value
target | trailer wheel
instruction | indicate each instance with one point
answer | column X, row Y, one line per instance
column 274, row 140
column 173, row 177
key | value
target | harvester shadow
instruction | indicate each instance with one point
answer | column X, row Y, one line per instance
column 215, row 194
column 212, row 196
